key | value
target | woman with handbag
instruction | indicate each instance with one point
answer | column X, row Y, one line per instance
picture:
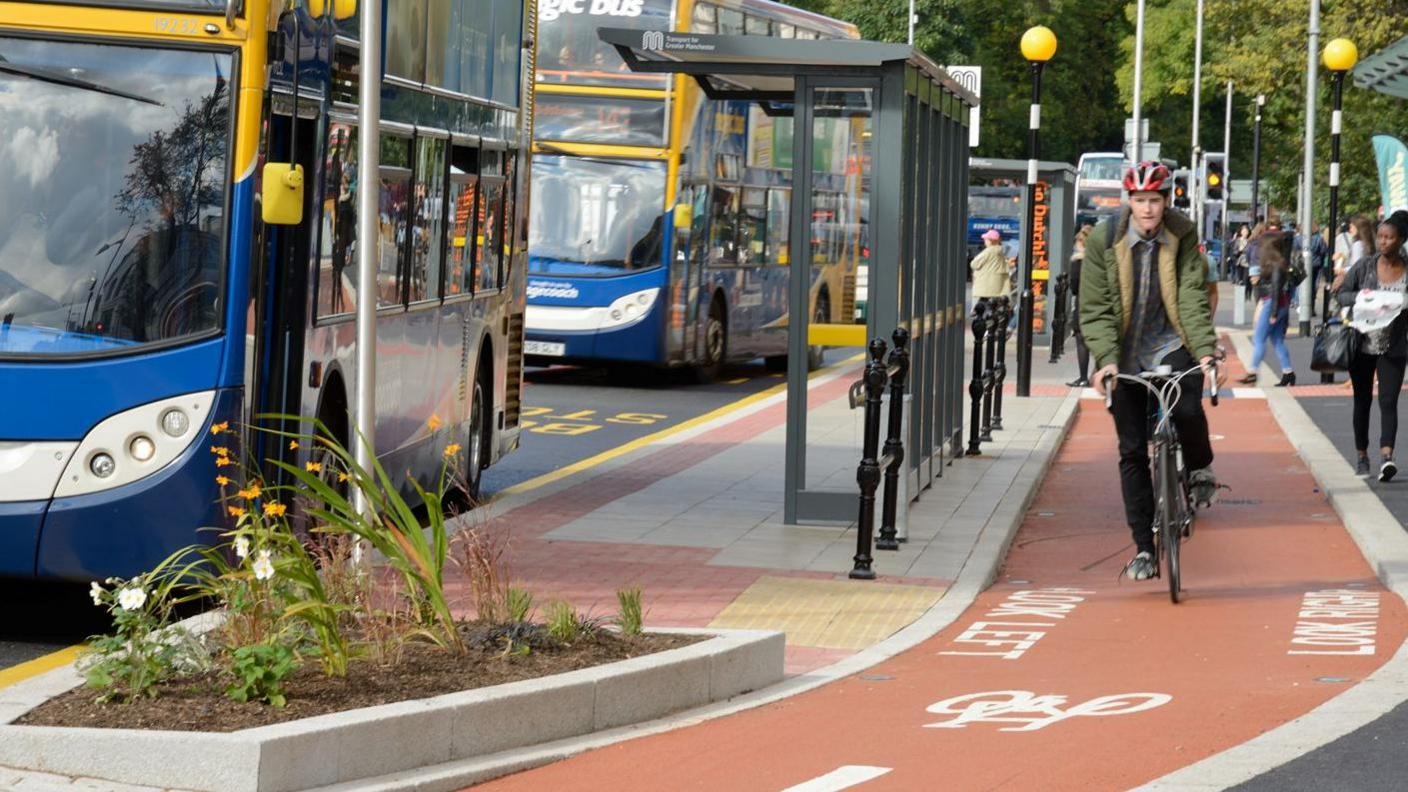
column 1382, row 352
column 1273, row 305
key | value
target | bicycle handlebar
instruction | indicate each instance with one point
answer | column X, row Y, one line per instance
column 1165, row 373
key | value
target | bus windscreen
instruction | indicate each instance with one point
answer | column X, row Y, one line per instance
column 595, row 216
column 570, row 51
column 113, row 174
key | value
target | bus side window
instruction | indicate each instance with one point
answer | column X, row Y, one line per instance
column 723, row 225
column 510, row 243
column 393, row 219
column 490, row 220
column 779, row 226
column 337, row 246
column 429, row 226
column 753, row 227
column 464, row 211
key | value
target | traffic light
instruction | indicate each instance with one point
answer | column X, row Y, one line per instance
column 1215, row 179
column 1181, row 199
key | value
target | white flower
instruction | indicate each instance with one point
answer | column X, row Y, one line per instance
column 263, row 567
column 242, row 546
column 96, row 592
column 131, row 598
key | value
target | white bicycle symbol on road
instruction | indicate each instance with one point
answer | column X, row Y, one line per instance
column 1034, row 711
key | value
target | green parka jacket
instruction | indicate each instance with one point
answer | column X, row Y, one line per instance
column 1107, row 287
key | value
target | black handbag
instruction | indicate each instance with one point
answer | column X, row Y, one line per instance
column 1335, row 346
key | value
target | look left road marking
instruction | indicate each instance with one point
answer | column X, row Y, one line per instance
column 841, row 778
column 1047, row 604
column 37, row 666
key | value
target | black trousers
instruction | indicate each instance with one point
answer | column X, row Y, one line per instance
column 1082, row 352
column 1130, row 407
column 1361, row 375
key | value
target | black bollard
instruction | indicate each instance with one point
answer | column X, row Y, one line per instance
column 868, row 474
column 894, row 442
column 975, row 385
column 1000, row 369
column 989, row 366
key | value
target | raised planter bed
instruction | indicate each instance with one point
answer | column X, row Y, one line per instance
column 391, row 738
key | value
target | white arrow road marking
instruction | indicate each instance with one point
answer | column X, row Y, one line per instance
column 840, row 778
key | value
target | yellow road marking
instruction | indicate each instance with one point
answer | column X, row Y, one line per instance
column 38, row 665
column 640, row 442
column 738, row 381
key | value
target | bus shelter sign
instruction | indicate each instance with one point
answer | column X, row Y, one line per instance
column 1040, row 258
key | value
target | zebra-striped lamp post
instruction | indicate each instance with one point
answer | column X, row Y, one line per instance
column 1038, row 46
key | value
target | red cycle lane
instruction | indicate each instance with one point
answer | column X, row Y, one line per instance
column 1061, row 676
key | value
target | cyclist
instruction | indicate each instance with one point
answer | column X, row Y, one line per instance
column 1143, row 303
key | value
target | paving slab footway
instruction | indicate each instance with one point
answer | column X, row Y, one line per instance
column 1061, row 659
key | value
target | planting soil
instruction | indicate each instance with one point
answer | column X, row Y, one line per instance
column 423, row 670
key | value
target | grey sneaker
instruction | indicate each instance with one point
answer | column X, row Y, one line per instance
column 1203, row 486
column 1387, row 470
column 1141, row 567
column 1362, row 468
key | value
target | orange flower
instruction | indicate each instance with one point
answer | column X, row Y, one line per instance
column 223, row 462
column 223, row 426
column 219, row 450
column 236, row 511
column 433, row 423
column 341, row 476
column 254, row 490
column 293, row 445
column 452, row 449
column 314, row 467
column 222, row 481
column 274, row 509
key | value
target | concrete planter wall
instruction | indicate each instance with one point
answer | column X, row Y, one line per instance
column 392, row 738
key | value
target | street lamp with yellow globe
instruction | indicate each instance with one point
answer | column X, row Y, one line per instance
column 1038, row 47
column 1339, row 56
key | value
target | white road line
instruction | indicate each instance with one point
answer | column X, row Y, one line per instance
column 840, row 778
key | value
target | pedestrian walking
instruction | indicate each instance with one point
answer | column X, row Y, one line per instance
column 1239, row 254
column 1082, row 351
column 1383, row 351
column 990, row 276
column 1274, row 287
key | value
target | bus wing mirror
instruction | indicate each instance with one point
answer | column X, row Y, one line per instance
column 341, row 9
column 283, row 194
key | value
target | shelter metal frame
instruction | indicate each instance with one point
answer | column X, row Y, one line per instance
column 917, row 213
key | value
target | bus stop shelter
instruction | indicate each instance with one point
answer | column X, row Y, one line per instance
column 915, row 168
column 1055, row 227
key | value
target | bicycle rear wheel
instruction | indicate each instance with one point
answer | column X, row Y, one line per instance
column 1171, row 524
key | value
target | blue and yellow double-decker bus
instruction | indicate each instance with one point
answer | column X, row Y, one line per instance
column 659, row 231
column 143, row 300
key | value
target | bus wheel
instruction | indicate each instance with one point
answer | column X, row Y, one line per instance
column 477, row 442
column 715, row 344
column 816, row 355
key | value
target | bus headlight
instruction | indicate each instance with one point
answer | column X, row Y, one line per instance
column 134, row 444
column 629, row 308
column 174, row 422
column 141, row 448
column 102, row 465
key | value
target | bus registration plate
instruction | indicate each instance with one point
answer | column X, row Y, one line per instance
column 547, row 348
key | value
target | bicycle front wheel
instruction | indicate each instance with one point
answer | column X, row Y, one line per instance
column 1171, row 524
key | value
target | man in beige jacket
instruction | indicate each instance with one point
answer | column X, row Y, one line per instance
column 990, row 276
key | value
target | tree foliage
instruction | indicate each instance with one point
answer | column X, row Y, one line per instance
column 1261, row 46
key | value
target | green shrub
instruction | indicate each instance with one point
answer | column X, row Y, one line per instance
column 630, row 616
column 260, row 671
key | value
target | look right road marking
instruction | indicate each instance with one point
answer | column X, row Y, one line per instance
column 840, row 778
column 1336, row 622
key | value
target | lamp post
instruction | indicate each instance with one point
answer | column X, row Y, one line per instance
column 1340, row 56
column 1308, row 168
column 1038, row 45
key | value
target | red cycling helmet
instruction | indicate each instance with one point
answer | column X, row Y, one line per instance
column 1148, row 176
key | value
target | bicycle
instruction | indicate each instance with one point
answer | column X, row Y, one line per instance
column 1173, row 502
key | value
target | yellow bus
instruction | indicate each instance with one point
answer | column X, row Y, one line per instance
column 659, row 230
